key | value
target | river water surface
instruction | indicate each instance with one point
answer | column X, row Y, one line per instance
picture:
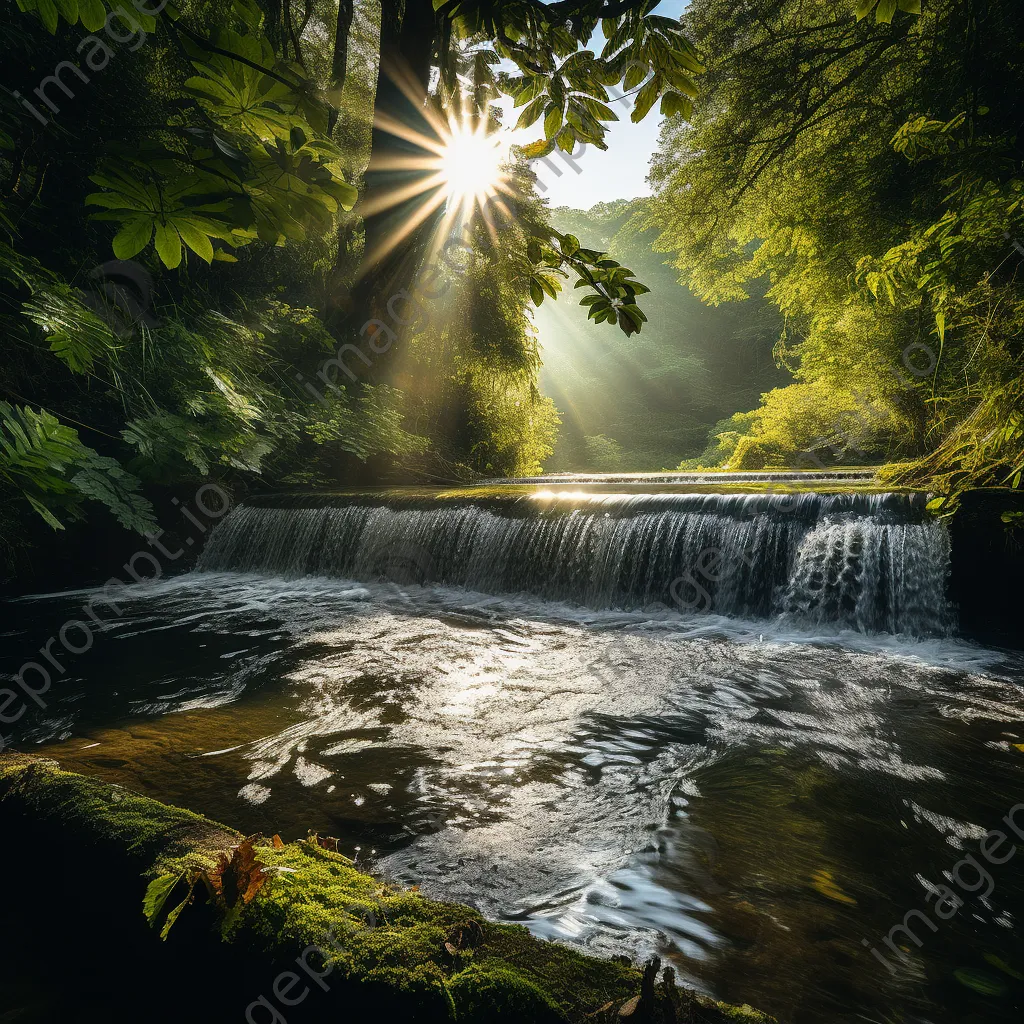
column 752, row 801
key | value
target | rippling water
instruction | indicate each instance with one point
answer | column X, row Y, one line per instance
column 749, row 802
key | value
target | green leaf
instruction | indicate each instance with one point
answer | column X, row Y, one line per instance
column 249, row 12
column 597, row 109
column 635, row 75
column 132, row 238
column 536, row 150
column 628, row 323
column 68, row 10
column 48, row 517
column 550, row 285
column 991, row 957
column 198, row 241
column 645, row 99
column 864, row 8
column 552, row 121
column 173, row 916
column 531, row 112
column 673, row 103
column 981, row 981
column 168, row 246
column 157, row 893
column 48, row 13
column 884, row 12
column 93, row 14
column 566, row 139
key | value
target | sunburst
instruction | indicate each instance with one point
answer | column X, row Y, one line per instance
column 472, row 165
column 458, row 163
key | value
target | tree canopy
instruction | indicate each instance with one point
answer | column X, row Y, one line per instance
column 870, row 171
column 187, row 281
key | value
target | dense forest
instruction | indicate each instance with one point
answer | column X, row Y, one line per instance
column 868, row 170
column 226, row 251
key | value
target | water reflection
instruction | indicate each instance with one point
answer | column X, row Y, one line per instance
column 750, row 805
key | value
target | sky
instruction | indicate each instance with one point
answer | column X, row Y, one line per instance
column 618, row 173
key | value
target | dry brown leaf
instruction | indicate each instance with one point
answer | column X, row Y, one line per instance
column 239, row 877
column 324, row 842
column 630, row 1007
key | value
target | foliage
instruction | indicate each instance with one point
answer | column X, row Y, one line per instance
column 656, row 395
column 604, row 454
column 870, row 170
column 249, row 159
column 91, row 13
column 371, row 426
column 471, row 372
column 223, row 164
column 613, row 298
column 47, row 462
column 568, row 86
column 885, row 9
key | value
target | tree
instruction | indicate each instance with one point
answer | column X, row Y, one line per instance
column 557, row 80
column 871, row 170
column 205, row 161
column 657, row 394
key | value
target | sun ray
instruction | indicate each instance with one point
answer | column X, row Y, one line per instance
column 452, row 161
column 408, row 227
column 401, row 194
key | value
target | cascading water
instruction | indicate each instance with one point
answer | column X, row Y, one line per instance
column 873, row 563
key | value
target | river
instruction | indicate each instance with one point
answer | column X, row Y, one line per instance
column 533, row 715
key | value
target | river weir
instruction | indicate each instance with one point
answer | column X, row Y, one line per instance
column 870, row 562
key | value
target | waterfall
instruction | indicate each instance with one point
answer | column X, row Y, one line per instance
column 867, row 562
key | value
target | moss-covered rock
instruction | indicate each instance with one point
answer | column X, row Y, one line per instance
column 501, row 995
column 313, row 925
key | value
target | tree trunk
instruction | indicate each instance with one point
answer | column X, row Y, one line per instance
column 339, row 63
column 408, row 42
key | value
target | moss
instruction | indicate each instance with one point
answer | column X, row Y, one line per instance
column 745, row 1014
column 164, row 839
column 386, row 949
column 500, row 995
column 368, row 928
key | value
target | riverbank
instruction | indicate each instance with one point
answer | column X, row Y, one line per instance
column 268, row 931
